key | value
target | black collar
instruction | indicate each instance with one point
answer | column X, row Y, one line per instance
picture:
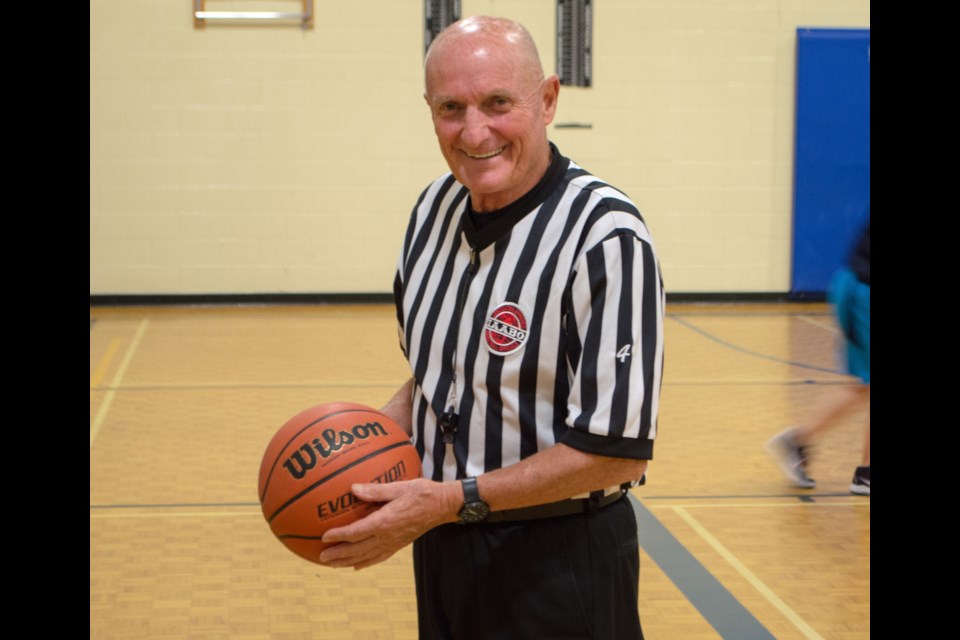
column 498, row 222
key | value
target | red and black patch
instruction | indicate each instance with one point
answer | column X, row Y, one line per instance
column 505, row 331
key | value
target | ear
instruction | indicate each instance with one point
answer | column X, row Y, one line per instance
column 551, row 89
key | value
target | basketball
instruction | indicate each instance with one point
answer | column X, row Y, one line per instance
column 312, row 461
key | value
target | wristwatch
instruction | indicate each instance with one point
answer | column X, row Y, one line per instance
column 474, row 509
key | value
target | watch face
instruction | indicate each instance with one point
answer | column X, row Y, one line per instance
column 474, row 512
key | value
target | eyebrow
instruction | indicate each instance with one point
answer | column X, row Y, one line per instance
column 496, row 93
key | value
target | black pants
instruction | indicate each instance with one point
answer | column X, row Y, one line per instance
column 553, row 579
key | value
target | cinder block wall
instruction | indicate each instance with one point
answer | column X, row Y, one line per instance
column 251, row 159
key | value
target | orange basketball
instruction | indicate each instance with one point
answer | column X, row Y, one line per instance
column 314, row 458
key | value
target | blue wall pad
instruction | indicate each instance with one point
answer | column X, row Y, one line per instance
column 832, row 155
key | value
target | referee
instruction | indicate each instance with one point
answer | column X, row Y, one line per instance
column 530, row 307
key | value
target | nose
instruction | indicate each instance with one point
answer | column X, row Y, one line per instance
column 475, row 127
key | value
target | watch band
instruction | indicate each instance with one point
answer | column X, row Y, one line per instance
column 470, row 491
column 474, row 509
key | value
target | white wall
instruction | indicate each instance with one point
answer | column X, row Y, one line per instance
column 270, row 159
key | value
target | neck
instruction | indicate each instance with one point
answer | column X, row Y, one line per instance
column 485, row 203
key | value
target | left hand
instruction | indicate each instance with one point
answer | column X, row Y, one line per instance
column 409, row 509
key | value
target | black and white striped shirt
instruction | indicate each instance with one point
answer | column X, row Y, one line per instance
column 544, row 326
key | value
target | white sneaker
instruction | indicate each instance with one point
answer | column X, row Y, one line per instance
column 792, row 458
column 861, row 481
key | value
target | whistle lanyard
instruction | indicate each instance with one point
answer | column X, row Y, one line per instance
column 450, row 419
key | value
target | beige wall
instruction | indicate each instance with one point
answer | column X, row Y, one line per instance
column 270, row 159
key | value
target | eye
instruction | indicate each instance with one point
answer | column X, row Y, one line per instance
column 448, row 109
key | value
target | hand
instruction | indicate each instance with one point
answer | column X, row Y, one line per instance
column 409, row 509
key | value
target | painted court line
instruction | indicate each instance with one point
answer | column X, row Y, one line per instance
column 709, row 336
column 829, row 325
column 758, row 584
column 105, row 361
column 798, row 503
column 98, row 419
column 714, row 602
column 187, row 385
column 200, row 514
column 717, row 605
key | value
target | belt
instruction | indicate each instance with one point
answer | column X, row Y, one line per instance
column 554, row 509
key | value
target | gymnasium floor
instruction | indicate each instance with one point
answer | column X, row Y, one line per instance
column 183, row 400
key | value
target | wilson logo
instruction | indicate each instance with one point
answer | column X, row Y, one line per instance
column 306, row 457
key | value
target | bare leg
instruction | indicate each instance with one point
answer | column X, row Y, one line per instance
column 826, row 414
column 866, row 446
column 789, row 447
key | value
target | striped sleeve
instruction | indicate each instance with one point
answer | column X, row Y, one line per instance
column 616, row 313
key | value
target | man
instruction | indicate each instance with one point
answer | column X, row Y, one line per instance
column 530, row 308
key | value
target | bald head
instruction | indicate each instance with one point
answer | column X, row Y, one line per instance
column 490, row 106
column 487, row 37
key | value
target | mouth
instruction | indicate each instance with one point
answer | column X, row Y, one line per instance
column 484, row 156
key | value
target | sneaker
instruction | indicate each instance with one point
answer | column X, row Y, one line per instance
column 861, row 481
column 792, row 458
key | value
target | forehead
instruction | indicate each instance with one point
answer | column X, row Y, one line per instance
column 475, row 69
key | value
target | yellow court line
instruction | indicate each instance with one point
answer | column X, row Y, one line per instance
column 97, row 421
column 847, row 503
column 202, row 514
column 101, row 369
column 823, row 376
column 765, row 591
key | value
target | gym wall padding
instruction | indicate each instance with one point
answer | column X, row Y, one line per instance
column 832, row 155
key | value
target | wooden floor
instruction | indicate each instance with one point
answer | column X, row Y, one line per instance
column 183, row 401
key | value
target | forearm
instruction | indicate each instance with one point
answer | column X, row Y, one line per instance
column 557, row 473
column 411, row 508
column 400, row 407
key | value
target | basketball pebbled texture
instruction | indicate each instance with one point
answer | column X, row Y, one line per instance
column 313, row 459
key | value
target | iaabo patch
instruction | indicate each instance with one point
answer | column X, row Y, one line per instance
column 505, row 331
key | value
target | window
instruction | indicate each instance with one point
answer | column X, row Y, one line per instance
column 574, row 42
column 438, row 15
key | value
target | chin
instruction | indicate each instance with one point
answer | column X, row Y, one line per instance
column 484, row 183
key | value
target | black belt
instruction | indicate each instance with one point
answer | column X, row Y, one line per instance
column 554, row 509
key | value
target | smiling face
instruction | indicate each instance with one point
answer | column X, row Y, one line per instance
column 491, row 106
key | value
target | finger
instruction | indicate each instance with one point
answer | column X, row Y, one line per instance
column 358, row 559
column 344, row 555
column 355, row 531
column 341, row 564
column 376, row 492
column 372, row 561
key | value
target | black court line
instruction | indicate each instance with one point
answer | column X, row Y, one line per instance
column 717, row 605
column 806, row 497
column 714, row 602
column 708, row 313
column 740, row 349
